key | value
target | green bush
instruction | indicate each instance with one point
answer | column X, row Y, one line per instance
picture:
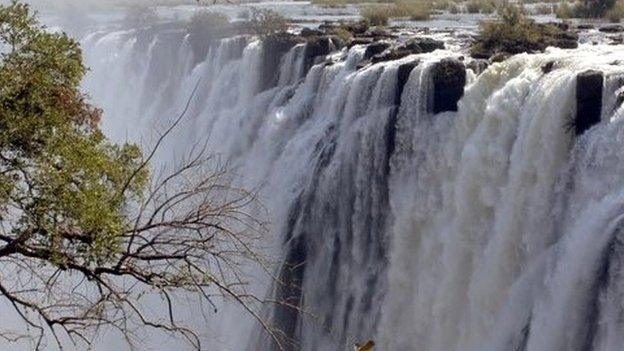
column 514, row 33
column 416, row 10
column 542, row 9
column 616, row 13
column 375, row 15
column 266, row 22
column 565, row 10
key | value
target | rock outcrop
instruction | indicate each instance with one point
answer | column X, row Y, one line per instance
column 588, row 100
column 449, row 79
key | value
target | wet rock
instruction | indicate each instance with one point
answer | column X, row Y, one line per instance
column 585, row 26
column 317, row 47
column 478, row 65
column 361, row 41
column 548, row 67
column 612, row 28
column 449, row 79
column 588, row 100
column 499, row 57
column 422, row 45
column 375, row 49
column 308, row 32
column 564, row 40
column 273, row 48
column 379, row 33
column 357, row 28
column 391, row 55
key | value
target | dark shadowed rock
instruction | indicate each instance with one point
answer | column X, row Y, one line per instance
column 422, row 45
column 588, row 100
column 612, row 28
column 317, row 47
column 360, row 41
column 379, row 33
column 478, row 65
column 273, row 48
column 391, row 55
column 585, row 26
column 308, row 32
column 548, row 67
column 449, row 79
column 375, row 49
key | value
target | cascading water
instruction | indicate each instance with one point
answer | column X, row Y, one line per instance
column 486, row 225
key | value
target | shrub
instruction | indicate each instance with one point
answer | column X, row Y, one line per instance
column 480, row 6
column 453, row 8
column 375, row 15
column 265, row 22
column 413, row 9
column 206, row 27
column 542, row 9
column 593, row 8
column 616, row 13
column 564, row 10
column 207, row 21
column 514, row 33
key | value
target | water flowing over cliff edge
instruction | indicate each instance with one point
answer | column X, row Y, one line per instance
column 416, row 201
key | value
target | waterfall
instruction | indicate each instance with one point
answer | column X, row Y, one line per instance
column 402, row 214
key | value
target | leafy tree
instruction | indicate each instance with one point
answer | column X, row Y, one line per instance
column 86, row 231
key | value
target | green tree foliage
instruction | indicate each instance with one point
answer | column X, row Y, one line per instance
column 59, row 175
column 86, row 232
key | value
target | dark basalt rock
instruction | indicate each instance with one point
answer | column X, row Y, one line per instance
column 588, row 100
column 318, row 47
column 613, row 28
column 423, row 45
column 308, row 32
column 379, row 33
column 356, row 28
column 585, row 26
column 548, row 67
column 478, row 65
column 449, row 79
column 565, row 40
column 414, row 46
column 391, row 55
column 361, row 41
column 273, row 48
column 375, row 49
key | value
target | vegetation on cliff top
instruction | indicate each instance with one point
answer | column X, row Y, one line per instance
column 513, row 32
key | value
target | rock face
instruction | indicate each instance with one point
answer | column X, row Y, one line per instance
column 375, row 49
column 273, row 48
column 449, row 79
column 317, row 47
column 588, row 100
column 413, row 46
column 478, row 65
column 424, row 45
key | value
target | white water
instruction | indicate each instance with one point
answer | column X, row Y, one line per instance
column 493, row 228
